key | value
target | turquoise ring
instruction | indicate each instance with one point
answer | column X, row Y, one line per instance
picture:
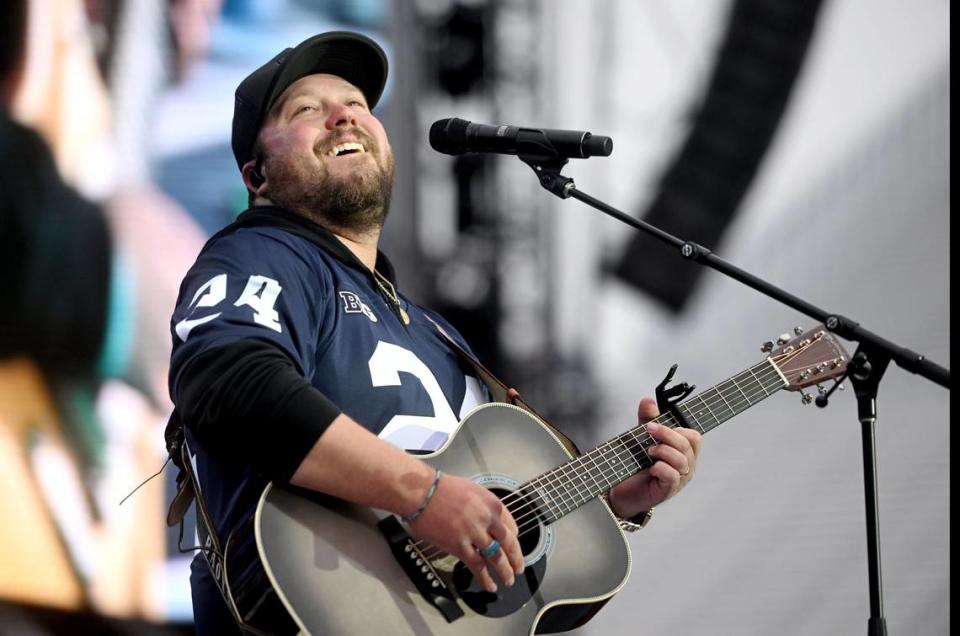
column 491, row 549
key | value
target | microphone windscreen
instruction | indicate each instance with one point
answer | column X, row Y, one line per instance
column 449, row 136
column 597, row 146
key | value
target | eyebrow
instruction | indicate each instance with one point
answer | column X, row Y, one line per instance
column 310, row 92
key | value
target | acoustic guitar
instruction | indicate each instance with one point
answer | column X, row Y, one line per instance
column 339, row 568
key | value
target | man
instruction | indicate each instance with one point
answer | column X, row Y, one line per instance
column 289, row 327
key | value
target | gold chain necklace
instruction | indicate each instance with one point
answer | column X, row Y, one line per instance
column 387, row 288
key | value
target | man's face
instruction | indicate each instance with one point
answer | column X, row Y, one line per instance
column 327, row 156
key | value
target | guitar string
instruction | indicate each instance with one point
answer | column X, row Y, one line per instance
column 600, row 455
column 640, row 437
column 529, row 508
column 597, row 455
column 768, row 373
column 704, row 398
column 531, row 512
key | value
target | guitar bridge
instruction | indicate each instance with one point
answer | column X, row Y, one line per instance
column 418, row 569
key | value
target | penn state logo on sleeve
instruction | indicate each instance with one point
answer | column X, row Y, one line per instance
column 259, row 296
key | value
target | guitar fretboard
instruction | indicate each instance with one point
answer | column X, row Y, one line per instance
column 569, row 486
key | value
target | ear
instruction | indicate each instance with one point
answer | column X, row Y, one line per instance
column 253, row 177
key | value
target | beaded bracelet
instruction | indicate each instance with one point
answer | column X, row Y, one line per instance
column 433, row 488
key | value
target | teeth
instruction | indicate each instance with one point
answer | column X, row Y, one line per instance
column 341, row 148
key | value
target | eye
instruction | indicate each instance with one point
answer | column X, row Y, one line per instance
column 304, row 108
column 356, row 102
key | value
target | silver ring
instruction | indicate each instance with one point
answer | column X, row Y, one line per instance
column 491, row 549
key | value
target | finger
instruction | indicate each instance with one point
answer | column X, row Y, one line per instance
column 506, row 516
column 511, row 544
column 667, row 477
column 695, row 438
column 478, row 566
column 670, row 437
column 502, row 567
column 647, row 410
column 673, row 457
column 502, row 559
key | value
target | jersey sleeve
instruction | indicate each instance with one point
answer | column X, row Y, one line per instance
column 254, row 284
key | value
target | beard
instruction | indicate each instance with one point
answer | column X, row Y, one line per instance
column 354, row 203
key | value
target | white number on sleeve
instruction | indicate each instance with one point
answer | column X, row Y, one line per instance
column 261, row 294
column 210, row 294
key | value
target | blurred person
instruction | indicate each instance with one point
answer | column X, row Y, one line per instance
column 73, row 439
column 290, row 312
column 59, row 90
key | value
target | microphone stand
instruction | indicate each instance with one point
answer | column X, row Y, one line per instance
column 865, row 370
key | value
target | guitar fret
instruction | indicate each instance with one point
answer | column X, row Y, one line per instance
column 627, row 469
column 733, row 412
column 745, row 396
column 567, row 487
column 547, row 500
column 701, row 414
column 573, row 484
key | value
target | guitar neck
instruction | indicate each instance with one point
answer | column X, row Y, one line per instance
column 569, row 486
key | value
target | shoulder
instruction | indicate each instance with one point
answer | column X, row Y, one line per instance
column 264, row 251
column 258, row 244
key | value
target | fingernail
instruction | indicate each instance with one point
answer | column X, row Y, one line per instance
column 510, row 582
column 492, row 588
column 653, row 427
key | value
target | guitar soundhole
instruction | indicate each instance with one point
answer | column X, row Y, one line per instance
column 507, row 600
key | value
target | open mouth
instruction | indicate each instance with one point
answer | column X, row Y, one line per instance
column 348, row 148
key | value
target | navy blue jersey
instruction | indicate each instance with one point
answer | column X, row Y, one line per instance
column 294, row 286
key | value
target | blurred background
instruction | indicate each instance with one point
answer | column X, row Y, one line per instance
column 807, row 143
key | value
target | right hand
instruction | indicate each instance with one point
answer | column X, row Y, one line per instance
column 462, row 518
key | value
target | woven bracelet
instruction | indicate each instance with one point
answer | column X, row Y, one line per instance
column 433, row 488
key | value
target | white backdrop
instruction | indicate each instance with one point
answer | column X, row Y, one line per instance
column 850, row 211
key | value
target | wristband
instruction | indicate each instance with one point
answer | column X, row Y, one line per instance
column 637, row 522
column 433, row 489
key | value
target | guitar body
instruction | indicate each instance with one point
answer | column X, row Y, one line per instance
column 336, row 574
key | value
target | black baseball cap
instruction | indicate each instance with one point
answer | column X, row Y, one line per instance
column 354, row 57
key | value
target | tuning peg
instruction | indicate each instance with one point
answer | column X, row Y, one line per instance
column 820, row 389
column 783, row 339
column 840, row 387
column 767, row 346
column 806, row 398
column 798, row 330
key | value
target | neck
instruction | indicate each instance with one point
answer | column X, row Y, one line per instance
column 363, row 245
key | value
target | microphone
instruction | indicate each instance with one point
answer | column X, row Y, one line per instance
column 457, row 136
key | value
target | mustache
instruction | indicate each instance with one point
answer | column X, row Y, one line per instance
column 324, row 146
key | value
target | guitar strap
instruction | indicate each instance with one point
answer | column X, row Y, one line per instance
column 265, row 604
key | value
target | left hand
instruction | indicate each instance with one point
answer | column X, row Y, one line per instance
column 675, row 459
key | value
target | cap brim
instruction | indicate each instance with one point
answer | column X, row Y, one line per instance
column 352, row 56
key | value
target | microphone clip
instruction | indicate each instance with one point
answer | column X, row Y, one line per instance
column 547, row 169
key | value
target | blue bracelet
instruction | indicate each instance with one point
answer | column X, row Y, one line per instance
column 433, row 488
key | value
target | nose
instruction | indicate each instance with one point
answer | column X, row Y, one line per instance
column 340, row 115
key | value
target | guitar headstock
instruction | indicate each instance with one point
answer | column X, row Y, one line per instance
column 810, row 357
